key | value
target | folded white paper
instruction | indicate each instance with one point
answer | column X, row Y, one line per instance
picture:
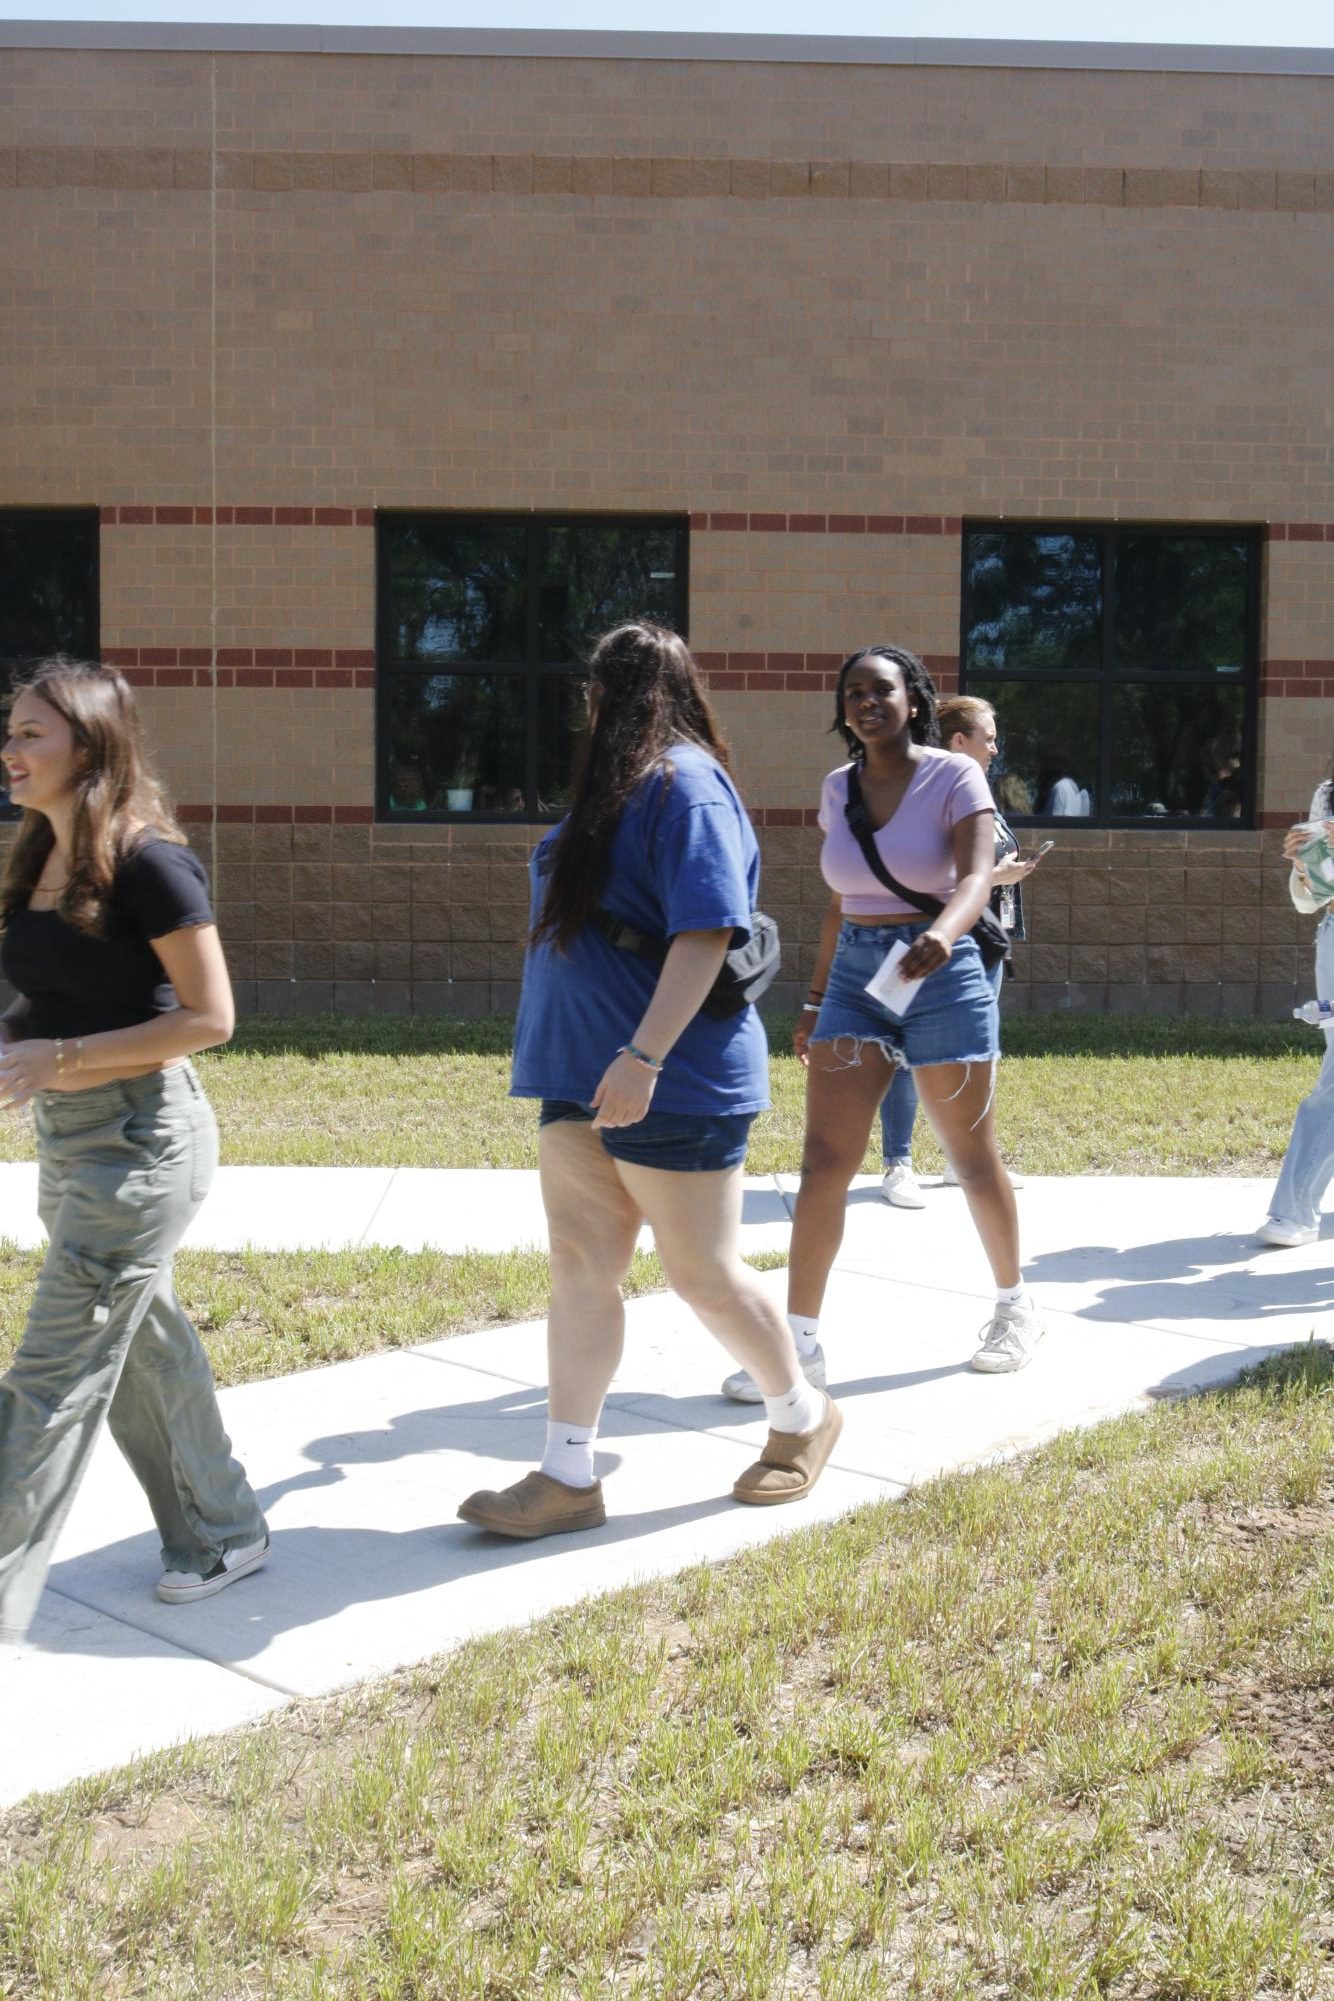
column 887, row 984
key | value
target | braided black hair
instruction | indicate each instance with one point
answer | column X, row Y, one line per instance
column 922, row 695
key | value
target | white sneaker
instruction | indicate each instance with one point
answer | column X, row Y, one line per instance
column 183, row 1587
column 1284, row 1236
column 899, row 1186
column 742, row 1387
column 1010, row 1340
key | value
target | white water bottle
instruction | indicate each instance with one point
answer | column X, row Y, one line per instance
column 1316, row 1013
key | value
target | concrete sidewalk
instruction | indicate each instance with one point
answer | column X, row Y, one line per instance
column 1150, row 1287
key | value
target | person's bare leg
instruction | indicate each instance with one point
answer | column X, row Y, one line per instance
column 958, row 1100
column 593, row 1222
column 842, row 1099
column 695, row 1220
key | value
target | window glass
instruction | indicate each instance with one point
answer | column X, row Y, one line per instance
column 48, row 593
column 1047, row 761
column 48, row 586
column 1034, row 601
column 504, row 612
column 596, row 575
column 562, row 713
column 1181, row 603
column 1177, row 751
column 456, row 744
column 457, row 591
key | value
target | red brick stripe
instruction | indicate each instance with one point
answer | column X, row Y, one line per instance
column 792, row 673
column 1300, row 531
column 276, row 816
column 121, row 515
column 826, row 524
column 245, row 666
column 1297, row 677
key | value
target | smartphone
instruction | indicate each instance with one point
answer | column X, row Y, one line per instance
column 1036, row 854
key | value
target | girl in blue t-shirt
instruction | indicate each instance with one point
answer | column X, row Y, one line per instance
column 646, row 1102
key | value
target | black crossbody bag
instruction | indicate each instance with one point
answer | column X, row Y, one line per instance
column 748, row 971
column 989, row 934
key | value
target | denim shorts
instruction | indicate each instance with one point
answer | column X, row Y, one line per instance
column 680, row 1142
column 953, row 1019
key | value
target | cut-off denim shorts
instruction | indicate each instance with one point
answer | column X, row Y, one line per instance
column 953, row 1018
column 679, row 1142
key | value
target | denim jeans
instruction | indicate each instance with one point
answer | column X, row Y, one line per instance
column 122, row 1170
column 898, row 1107
column 1308, row 1163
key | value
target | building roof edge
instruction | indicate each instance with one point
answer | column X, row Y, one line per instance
column 566, row 43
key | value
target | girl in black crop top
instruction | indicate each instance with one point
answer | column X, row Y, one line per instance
column 107, row 937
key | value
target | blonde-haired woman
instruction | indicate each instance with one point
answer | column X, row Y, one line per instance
column 967, row 725
column 109, row 941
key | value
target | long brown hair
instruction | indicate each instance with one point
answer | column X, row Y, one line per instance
column 648, row 697
column 118, row 799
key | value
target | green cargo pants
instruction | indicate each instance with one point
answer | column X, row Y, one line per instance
column 123, row 1169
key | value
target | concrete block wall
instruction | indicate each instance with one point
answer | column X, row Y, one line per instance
column 823, row 313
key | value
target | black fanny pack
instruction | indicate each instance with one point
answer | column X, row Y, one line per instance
column 988, row 934
column 748, row 971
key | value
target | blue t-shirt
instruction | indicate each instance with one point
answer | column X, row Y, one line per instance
column 684, row 858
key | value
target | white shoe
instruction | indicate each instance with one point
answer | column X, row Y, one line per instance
column 1010, row 1340
column 183, row 1587
column 1284, row 1236
column 899, row 1186
column 742, row 1387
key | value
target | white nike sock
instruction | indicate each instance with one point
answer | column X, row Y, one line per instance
column 569, row 1454
column 1012, row 1295
column 798, row 1409
column 805, row 1332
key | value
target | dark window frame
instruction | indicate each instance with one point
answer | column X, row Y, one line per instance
column 389, row 668
column 1108, row 677
column 85, row 516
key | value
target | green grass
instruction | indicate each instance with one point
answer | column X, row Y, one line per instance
column 1058, row 1730
column 1078, row 1094
column 272, row 1313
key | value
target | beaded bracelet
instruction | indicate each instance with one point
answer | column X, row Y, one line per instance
column 638, row 1056
column 60, row 1056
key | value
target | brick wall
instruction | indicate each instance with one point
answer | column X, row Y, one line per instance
column 825, row 312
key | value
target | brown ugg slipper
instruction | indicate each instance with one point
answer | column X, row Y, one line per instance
column 536, row 1505
column 791, row 1462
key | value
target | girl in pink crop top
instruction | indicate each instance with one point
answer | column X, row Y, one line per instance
column 916, row 843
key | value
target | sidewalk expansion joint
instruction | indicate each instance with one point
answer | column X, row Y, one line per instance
column 365, row 1237
column 177, row 1646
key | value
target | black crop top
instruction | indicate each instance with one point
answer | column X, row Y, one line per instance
column 73, row 984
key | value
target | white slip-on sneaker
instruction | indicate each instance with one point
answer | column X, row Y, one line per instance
column 183, row 1587
column 742, row 1387
column 1284, row 1236
column 899, row 1187
column 1009, row 1341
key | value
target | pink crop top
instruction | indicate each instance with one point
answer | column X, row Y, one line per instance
column 915, row 844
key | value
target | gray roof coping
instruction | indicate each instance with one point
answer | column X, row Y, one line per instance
column 611, row 45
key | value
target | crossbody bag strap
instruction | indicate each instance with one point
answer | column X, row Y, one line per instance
column 854, row 812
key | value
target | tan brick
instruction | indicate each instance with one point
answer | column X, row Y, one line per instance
column 1105, row 186
column 135, row 167
column 1255, row 188
column 1144, row 187
column 512, row 173
column 353, row 172
column 392, row 170
column 671, row 177
column 632, row 176
column 234, row 170
column 750, row 179
column 1218, row 188
column 1181, row 187
column 312, row 172
column 869, row 180
column 830, row 179
column 1065, row 184
column 552, row 174
column 590, row 174
column 946, row 183
column 985, row 183
column 272, row 171
column 1294, row 191
column 1025, row 183
column 907, row 181
column 710, row 177
column 789, row 178
column 55, row 167
column 1324, row 193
